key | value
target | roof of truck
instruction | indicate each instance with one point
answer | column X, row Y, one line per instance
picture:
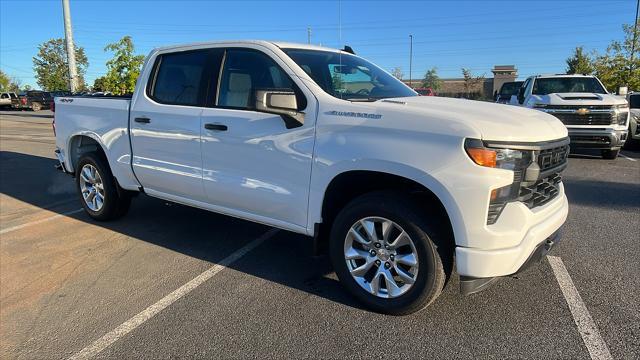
column 282, row 45
column 561, row 75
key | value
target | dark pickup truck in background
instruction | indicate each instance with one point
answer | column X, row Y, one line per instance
column 34, row 99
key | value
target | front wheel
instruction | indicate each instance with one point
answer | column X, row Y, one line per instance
column 610, row 154
column 98, row 189
column 383, row 252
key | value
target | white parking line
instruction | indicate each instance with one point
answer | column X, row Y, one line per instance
column 586, row 326
column 18, row 227
column 129, row 325
column 626, row 157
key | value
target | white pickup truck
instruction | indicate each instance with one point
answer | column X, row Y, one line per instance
column 595, row 118
column 321, row 142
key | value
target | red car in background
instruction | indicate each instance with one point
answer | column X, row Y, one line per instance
column 425, row 91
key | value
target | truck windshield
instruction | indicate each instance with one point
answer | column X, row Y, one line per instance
column 348, row 77
column 510, row 88
column 544, row 86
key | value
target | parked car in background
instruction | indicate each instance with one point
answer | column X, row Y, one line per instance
column 394, row 184
column 35, row 100
column 6, row 99
column 633, row 141
column 425, row 91
column 507, row 90
column 595, row 118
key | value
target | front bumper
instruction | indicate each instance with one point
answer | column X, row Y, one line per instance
column 534, row 229
column 597, row 138
column 470, row 285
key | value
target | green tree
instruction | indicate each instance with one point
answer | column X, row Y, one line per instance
column 615, row 68
column 4, row 81
column 579, row 62
column 471, row 82
column 123, row 68
column 432, row 80
column 50, row 65
column 397, row 72
column 99, row 84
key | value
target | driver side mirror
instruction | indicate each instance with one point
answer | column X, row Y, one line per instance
column 280, row 102
column 521, row 95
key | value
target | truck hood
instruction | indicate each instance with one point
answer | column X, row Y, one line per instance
column 490, row 121
column 576, row 99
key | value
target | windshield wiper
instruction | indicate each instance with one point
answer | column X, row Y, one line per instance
column 369, row 99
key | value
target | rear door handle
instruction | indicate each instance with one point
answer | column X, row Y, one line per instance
column 217, row 127
column 143, row 120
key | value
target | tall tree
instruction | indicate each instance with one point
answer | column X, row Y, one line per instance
column 615, row 68
column 579, row 62
column 4, row 81
column 397, row 72
column 432, row 80
column 50, row 65
column 123, row 69
column 99, row 84
column 471, row 82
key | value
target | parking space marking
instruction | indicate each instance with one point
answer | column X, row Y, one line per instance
column 626, row 157
column 586, row 326
column 129, row 325
column 18, row 227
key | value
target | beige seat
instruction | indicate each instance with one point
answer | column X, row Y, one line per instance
column 238, row 90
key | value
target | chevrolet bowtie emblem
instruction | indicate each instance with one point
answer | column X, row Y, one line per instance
column 582, row 111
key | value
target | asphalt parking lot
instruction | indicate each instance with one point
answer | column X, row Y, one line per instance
column 66, row 280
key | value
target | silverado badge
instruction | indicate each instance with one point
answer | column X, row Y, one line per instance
column 582, row 111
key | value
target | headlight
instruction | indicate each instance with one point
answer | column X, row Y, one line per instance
column 622, row 107
column 621, row 112
column 508, row 159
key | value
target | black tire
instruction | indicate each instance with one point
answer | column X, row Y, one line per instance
column 610, row 154
column 116, row 201
column 399, row 208
column 35, row 106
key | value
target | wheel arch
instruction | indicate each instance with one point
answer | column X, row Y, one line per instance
column 349, row 184
column 82, row 143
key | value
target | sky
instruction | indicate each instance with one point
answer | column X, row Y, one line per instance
column 535, row 36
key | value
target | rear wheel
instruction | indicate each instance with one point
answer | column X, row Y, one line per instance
column 610, row 154
column 36, row 106
column 98, row 189
column 383, row 252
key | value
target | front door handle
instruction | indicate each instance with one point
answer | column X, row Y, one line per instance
column 216, row 127
column 143, row 120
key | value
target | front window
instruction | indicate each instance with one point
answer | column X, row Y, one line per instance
column 634, row 101
column 544, row 86
column 348, row 77
column 510, row 88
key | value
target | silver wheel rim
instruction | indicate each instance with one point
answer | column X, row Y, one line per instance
column 381, row 257
column 91, row 187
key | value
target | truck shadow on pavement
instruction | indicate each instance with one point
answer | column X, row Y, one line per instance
column 285, row 259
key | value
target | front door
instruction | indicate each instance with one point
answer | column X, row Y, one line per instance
column 253, row 162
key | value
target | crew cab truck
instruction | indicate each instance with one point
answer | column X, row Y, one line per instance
column 595, row 119
column 323, row 143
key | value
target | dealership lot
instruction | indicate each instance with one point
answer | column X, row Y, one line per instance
column 66, row 280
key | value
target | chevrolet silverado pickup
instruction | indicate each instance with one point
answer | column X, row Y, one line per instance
column 321, row 142
column 595, row 119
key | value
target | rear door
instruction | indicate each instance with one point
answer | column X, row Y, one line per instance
column 165, row 125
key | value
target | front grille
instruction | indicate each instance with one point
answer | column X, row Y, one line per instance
column 576, row 107
column 603, row 118
column 540, row 192
column 550, row 158
column 591, row 140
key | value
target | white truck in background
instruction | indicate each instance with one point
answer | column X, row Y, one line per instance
column 595, row 119
column 321, row 142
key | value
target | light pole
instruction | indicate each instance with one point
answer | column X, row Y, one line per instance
column 410, row 60
column 71, row 54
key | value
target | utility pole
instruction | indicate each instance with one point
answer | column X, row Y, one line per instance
column 410, row 60
column 633, row 43
column 71, row 54
column 308, row 35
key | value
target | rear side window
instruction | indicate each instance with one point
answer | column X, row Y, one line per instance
column 179, row 78
column 246, row 71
